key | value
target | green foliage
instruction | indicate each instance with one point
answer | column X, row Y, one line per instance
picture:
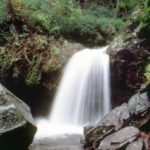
column 147, row 72
column 4, row 64
column 127, row 4
column 4, row 16
column 125, row 7
column 29, row 56
column 35, row 46
column 65, row 17
column 34, row 74
column 51, row 15
column 145, row 18
column 100, row 10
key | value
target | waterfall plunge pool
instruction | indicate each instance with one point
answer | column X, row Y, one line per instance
column 82, row 98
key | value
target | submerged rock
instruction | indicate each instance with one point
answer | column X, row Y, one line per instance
column 17, row 127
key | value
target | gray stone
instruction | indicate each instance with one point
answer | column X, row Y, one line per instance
column 138, row 103
column 134, row 113
column 119, row 138
column 17, row 127
column 116, row 117
column 137, row 145
column 107, row 125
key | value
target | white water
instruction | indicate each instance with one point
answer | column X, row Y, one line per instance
column 83, row 95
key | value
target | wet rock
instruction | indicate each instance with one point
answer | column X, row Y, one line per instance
column 137, row 145
column 119, row 138
column 116, row 117
column 17, row 126
column 110, row 123
column 130, row 116
column 138, row 103
column 87, row 129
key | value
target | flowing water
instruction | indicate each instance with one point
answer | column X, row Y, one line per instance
column 82, row 98
column 83, row 94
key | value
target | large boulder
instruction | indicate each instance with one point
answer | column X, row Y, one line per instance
column 119, row 139
column 108, row 124
column 138, row 103
column 116, row 117
column 17, row 127
column 136, row 145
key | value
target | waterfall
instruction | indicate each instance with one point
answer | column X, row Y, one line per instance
column 83, row 95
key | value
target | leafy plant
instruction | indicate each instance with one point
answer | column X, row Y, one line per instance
column 66, row 17
column 145, row 18
column 29, row 56
column 124, row 7
column 39, row 26
column 4, row 16
column 147, row 72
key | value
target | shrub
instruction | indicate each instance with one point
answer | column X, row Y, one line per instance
column 29, row 56
column 125, row 7
column 100, row 10
column 65, row 17
column 51, row 15
column 4, row 16
column 145, row 19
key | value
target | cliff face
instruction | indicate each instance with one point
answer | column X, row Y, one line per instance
column 130, row 53
column 127, row 71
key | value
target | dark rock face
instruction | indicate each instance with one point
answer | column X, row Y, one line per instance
column 17, row 126
column 129, row 53
column 128, row 123
column 127, row 72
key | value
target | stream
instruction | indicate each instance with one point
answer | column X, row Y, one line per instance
column 56, row 136
column 62, row 142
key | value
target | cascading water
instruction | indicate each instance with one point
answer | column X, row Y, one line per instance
column 83, row 95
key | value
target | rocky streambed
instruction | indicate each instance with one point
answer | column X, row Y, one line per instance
column 126, row 127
